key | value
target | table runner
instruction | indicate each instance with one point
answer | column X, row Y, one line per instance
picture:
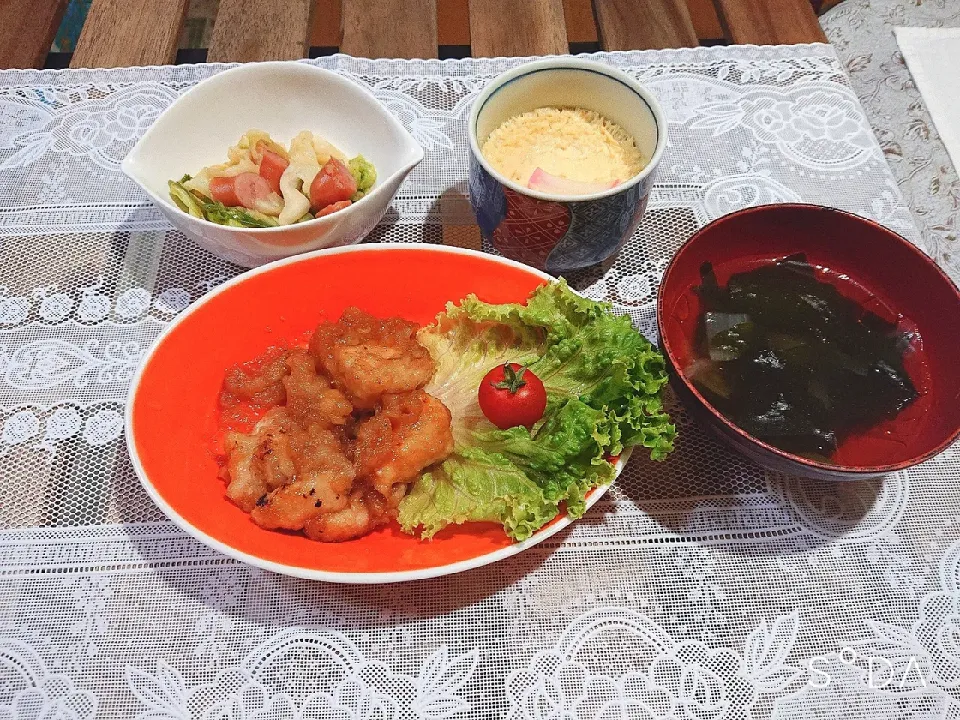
column 701, row 588
column 926, row 51
column 863, row 34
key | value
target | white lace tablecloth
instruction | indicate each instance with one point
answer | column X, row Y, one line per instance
column 702, row 588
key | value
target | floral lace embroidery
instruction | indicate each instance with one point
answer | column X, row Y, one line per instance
column 662, row 678
column 336, row 683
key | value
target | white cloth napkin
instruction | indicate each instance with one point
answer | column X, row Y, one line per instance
column 933, row 56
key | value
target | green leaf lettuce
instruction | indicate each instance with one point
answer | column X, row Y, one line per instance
column 603, row 382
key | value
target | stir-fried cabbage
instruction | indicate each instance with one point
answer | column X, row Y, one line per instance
column 307, row 154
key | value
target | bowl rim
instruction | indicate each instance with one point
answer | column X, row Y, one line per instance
column 852, row 472
column 568, row 63
column 559, row 523
column 130, row 158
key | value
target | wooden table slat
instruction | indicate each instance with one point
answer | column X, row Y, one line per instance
column 390, row 28
column 27, row 29
column 769, row 22
column 122, row 33
column 644, row 24
column 517, row 28
column 581, row 24
column 260, row 30
column 705, row 20
column 453, row 22
column 325, row 24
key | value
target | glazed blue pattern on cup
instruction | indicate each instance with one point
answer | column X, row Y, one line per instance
column 487, row 198
column 560, row 236
column 599, row 228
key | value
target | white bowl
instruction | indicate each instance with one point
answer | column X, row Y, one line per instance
column 282, row 98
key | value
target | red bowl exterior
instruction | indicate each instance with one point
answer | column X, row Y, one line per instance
column 883, row 262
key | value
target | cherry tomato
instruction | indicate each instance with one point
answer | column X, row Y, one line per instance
column 334, row 183
column 272, row 167
column 329, row 209
column 511, row 395
column 612, row 459
column 223, row 189
column 251, row 188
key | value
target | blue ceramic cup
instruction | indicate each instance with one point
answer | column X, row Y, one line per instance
column 561, row 233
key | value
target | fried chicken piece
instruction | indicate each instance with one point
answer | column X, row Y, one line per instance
column 409, row 432
column 311, row 399
column 366, row 511
column 293, row 506
column 259, row 381
column 260, row 461
column 282, row 473
column 397, row 493
column 352, row 430
column 321, row 485
column 367, row 357
column 372, row 444
column 242, row 471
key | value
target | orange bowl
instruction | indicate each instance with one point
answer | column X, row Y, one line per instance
column 171, row 419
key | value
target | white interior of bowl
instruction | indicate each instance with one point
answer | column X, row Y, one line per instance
column 281, row 98
column 572, row 83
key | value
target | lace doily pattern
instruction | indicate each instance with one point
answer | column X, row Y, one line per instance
column 787, row 115
column 702, row 588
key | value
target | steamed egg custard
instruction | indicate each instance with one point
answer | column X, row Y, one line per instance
column 565, row 151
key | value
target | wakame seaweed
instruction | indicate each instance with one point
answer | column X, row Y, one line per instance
column 786, row 357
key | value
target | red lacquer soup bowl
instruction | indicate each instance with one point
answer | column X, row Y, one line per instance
column 172, row 414
column 888, row 276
